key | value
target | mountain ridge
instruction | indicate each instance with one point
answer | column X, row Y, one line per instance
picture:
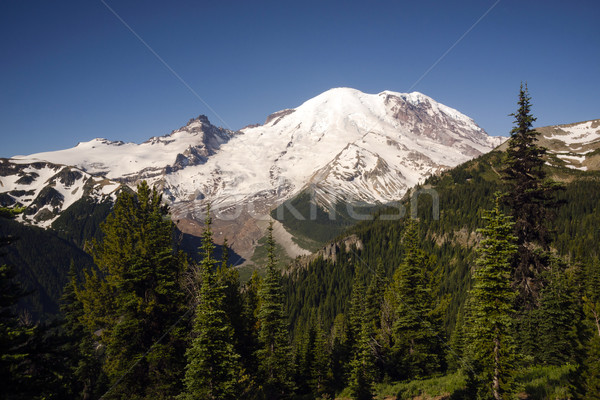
column 346, row 144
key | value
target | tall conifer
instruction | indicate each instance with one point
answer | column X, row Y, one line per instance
column 491, row 347
column 531, row 197
column 133, row 305
column 213, row 370
column 274, row 352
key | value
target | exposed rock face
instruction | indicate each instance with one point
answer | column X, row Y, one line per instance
column 277, row 116
column 331, row 251
column 344, row 144
column 46, row 189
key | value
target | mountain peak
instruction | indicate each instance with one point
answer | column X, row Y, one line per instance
column 200, row 120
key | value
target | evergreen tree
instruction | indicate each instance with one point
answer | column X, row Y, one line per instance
column 374, row 295
column 213, row 369
column 320, row 371
column 356, row 313
column 85, row 377
column 363, row 365
column 491, row 348
column 558, row 319
column 589, row 378
column 416, row 333
column 274, row 352
column 15, row 337
column 531, row 198
column 134, row 304
column 233, row 305
column 340, row 355
column 251, row 308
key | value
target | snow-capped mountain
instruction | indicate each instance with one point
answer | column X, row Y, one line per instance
column 371, row 147
column 575, row 146
column 151, row 160
column 345, row 144
column 46, row 189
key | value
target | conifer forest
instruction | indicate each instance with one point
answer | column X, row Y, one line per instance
column 495, row 297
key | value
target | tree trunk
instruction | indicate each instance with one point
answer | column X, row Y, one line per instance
column 496, row 378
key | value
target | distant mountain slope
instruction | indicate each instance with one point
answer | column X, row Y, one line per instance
column 47, row 189
column 368, row 146
column 151, row 160
column 342, row 145
column 462, row 193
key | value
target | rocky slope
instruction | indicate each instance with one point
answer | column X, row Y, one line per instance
column 343, row 144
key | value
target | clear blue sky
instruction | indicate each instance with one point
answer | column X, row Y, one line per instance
column 70, row 71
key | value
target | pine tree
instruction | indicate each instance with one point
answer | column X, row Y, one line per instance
column 490, row 344
column 416, row 333
column 589, row 380
column 134, row 304
column 15, row 337
column 213, row 369
column 274, row 353
column 531, row 198
column 363, row 365
column 233, row 305
column 320, row 371
column 355, row 315
column 374, row 295
column 559, row 318
column 251, row 308
column 85, row 375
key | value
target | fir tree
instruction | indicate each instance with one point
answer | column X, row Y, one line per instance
column 134, row 304
column 558, row 319
column 320, row 371
column 85, row 376
column 363, row 365
column 589, row 379
column 531, row 198
column 15, row 337
column 356, row 313
column 213, row 369
column 416, row 333
column 490, row 342
column 233, row 305
column 274, row 352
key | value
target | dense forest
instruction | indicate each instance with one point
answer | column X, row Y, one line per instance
column 497, row 296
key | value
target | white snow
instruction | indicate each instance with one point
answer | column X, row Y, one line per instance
column 284, row 155
column 343, row 140
column 118, row 159
column 579, row 134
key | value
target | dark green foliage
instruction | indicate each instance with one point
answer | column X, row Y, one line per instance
column 84, row 378
column 14, row 339
column 591, row 368
column 14, row 335
column 558, row 319
column 531, row 198
column 41, row 261
column 213, row 368
column 274, row 353
column 416, row 334
column 363, row 364
column 81, row 221
column 302, row 216
column 491, row 346
column 135, row 303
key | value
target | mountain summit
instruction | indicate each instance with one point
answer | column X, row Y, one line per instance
column 370, row 147
column 345, row 144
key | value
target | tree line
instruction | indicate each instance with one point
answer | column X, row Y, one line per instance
column 146, row 322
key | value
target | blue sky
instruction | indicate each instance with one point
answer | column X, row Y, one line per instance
column 71, row 71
